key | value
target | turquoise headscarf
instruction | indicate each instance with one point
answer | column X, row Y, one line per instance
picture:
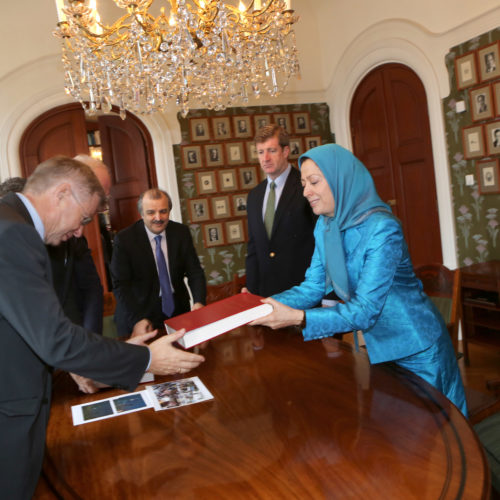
column 355, row 199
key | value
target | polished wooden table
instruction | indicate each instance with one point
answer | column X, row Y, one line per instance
column 289, row 419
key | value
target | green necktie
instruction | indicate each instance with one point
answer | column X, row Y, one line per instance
column 269, row 214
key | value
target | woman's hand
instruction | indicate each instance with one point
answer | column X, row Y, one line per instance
column 281, row 317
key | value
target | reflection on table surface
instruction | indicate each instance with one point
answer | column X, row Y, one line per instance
column 289, row 419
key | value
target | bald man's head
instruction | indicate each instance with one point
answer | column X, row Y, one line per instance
column 100, row 170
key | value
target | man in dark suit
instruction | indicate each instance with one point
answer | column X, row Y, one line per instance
column 278, row 260
column 60, row 197
column 134, row 270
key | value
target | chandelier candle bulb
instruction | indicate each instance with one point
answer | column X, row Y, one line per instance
column 60, row 14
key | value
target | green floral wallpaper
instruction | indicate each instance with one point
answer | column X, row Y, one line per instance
column 476, row 215
column 223, row 261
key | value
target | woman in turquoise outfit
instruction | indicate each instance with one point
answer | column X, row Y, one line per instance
column 361, row 254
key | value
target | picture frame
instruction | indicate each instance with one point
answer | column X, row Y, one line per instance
column 488, row 176
column 495, row 90
column 252, row 156
column 473, row 141
column 248, row 177
column 481, row 104
column 283, row 120
column 466, row 70
column 301, row 123
column 489, row 62
column 221, row 208
column 206, row 182
column 492, row 133
column 221, row 127
column 260, row 121
column 235, row 153
column 239, row 202
column 227, row 180
column 242, row 126
column 199, row 210
column 214, row 156
column 191, row 157
column 296, row 148
column 199, row 129
column 312, row 142
column 234, row 231
column 213, row 234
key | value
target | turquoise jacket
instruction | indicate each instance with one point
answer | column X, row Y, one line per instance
column 387, row 300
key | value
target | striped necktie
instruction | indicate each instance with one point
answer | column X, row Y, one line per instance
column 167, row 298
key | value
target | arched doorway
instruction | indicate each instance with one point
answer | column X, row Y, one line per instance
column 391, row 136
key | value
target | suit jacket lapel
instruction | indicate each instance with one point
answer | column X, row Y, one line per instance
column 287, row 195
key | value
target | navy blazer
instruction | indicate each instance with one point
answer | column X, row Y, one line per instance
column 135, row 277
column 278, row 263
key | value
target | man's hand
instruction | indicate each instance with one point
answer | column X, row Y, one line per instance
column 141, row 339
column 197, row 305
column 86, row 385
column 281, row 317
column 167, row 359
column 142, row 326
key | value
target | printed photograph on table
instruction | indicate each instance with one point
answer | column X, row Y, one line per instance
column 242, row 126
column 296, row 148
column 240, row 204
column 206, row 183
column 473, row 141
column 235, row 153
column 312, row 142
column 260, row 121
column 481, row 103
column 198, row 210
column 301, row 123
column 492, row 132
column 191, row 157
column 221, row 127
column 248, row 177
column 252, row 156
column 221, row 209
column 213, row 235
column 466, row 70
column 487, row 176
column 495, row 89
column 283, row 120
column 200, row 130
column 214, row 155
column 227, row 180
column 234, row 231
column 489, row 66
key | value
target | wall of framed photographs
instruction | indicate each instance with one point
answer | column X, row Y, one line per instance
column 472, row 112
column 217, row 166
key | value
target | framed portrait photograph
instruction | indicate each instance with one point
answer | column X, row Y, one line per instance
column 242, row 126
column 221, row 127
column 191, row 157
column 466, row 70
column 227, row 180
column 234, row 231
column 213, row 234
column 252, row 156
column 260, row 121
column 235, row 153
column 221, row 209
column 283, row 120
column 248, row 177
column 473, row 141
column 200, row 130
column 492, row 133
column 296, row 148
column 481, row 103
column 214, row 156
column 487, row 176
column 312, row 142
column 489, row 62
column 301, row 123
column 206, row 183
column 198, row 210
column 495, row 90
column 239, row 204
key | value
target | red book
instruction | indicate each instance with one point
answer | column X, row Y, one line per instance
column 217, row 318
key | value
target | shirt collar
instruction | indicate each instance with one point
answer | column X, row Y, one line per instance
column 281, row 179
column 37, row 221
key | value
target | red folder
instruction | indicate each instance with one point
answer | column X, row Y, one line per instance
column 217, row 318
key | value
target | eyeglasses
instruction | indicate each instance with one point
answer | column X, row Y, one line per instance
column 86, row 219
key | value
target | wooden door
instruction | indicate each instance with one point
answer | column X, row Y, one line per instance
column 391, row 136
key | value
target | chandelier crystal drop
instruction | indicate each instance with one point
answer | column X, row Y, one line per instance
column 202, row 54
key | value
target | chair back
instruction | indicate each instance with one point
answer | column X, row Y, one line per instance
column 223, row 290
column 442, row 285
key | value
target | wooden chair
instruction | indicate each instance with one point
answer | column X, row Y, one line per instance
column 223, row 290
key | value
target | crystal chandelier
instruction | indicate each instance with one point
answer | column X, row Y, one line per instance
column 201, row 54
